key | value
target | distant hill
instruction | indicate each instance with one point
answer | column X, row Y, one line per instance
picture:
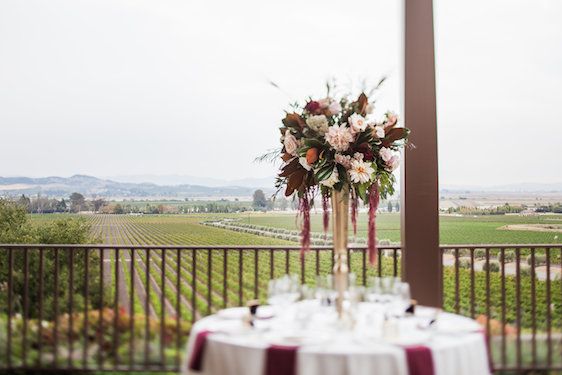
column 176, row 179
column 93, row 186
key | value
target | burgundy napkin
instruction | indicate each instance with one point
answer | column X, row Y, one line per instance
column 420, row 361
column 196, row 360
column 281, row 360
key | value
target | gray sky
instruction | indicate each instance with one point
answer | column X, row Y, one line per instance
column 117, row 87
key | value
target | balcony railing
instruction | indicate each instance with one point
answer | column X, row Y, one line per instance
column 102, row 307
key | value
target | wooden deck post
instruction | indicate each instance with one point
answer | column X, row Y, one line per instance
column 421, row 260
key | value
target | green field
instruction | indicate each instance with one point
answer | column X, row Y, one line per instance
column 453, row 230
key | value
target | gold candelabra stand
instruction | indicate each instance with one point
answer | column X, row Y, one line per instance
column 340, row 214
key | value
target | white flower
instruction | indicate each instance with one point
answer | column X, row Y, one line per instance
column 290, row 142
column 318, row 123
column 393, row 163
column 386, row 154
column 358, row 156
column 334, row 108
column 339, row 137
column 357, row 122
column 304, row 163
column 344, row 160
column 378, row 131
column 332, row 180
column 360, row 171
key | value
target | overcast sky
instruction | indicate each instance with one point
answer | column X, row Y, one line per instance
column 117, row 87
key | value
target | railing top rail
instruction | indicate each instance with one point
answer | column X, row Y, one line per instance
column 181, row 247
column 272, row 247
column 499, row 246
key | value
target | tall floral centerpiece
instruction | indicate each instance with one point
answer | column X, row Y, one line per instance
column 335, row 149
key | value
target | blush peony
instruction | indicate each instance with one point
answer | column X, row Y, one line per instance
column 339, row 137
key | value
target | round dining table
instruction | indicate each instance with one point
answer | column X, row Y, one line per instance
column 306, row 338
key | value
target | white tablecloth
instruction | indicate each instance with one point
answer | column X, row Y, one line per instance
column 457, row 344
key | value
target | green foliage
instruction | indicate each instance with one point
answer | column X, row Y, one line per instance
column 493, row 266
column 15, row 227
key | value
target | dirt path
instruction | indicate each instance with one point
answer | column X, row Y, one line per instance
column 556, row 228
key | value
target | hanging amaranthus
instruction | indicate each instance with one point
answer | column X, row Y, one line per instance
column 354, row 204
column 325, row 214
column 304, row 210
column 372, row 230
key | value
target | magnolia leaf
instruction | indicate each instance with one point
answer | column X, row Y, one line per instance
column 395, row 134
column 362, row 103
column 290, row 168
column 286, row 157
column 294, row 120
column 295, row 180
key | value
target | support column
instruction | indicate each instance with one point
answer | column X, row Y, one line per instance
column 421, row 260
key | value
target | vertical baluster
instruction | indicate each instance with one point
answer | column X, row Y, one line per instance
column 86, row 301
column 146, row 307
column 548, row 312
column 503, row 302
column 132, row 304
column 488, row 314
column 25, row 303
column 10, row 303
column 116, row 312
column 395, row 262
column 364, row 265
column 209, row 283
column 317, row 262
column 240, row 276
column 193, row 284
column 225, row 278
column 303, row 259
column 101, row 308
column 349, row 260
column 457, row 282
column 40, row 325
column 271, row 264
column 162, row 303
column 178, row 309
column 256, row 274
column 472, row 285
column 379, row 255
column 533, row 310
column 70, row 306
column 287, row 268
column 518, row 305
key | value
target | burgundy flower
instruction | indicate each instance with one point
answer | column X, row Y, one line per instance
column 312, row 106
column 366, row 151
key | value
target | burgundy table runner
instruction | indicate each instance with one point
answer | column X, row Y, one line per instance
column 281, row 360
column 196, row 360
column 420, row 360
